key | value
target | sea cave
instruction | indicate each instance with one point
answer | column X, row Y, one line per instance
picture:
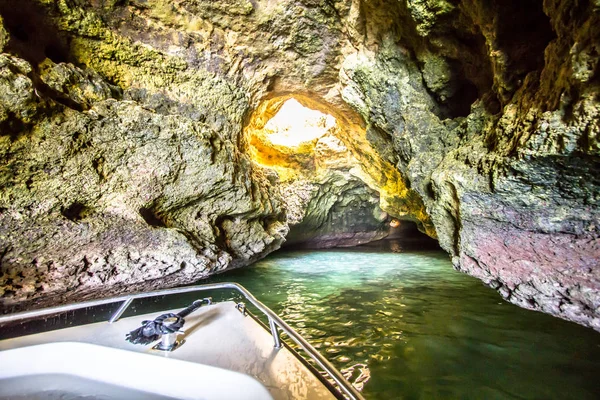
column 151, row 144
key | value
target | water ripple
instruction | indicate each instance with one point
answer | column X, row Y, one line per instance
column 407, row 326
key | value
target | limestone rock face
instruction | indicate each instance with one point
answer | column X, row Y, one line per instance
column 128, row 138
column 327, row 197
column 115, row 195
column 342, row 211
column 511, row 189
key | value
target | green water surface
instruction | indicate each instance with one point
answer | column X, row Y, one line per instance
column 407, row 326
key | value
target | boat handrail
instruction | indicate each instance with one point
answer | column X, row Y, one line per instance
column 274, row 322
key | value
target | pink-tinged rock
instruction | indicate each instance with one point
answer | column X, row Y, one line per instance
column 557, row 273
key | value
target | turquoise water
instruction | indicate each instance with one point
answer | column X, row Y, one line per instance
column 407, row 326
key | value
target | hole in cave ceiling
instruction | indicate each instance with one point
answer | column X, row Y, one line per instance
column 332, row 181
column 292, row 138
column 295, row 124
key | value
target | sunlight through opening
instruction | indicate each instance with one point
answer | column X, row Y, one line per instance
column 295, row 124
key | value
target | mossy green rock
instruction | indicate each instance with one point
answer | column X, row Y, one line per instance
column 125, row 161
column 113, row 196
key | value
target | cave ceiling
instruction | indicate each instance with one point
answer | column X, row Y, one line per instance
column 133, row 140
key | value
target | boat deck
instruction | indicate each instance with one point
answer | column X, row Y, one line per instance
column 217, row 335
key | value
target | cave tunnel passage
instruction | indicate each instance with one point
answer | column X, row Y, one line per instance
column 33, row 35
column 396, row 236
column 405, row 236
column 330, row 196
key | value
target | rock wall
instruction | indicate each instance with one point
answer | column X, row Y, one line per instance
column 341, row 212
column 125, row 138
column 324, row 188
column 116, row 194
column 511, row 187
column 109, row 187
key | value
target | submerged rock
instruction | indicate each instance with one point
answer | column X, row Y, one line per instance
column 128, row 140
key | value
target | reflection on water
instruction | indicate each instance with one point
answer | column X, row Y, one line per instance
column 407, row 326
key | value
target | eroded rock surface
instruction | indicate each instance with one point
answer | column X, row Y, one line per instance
column 511, row 189
column 126, row 127
column 342, row 212
column 114, row 194
column 327, row 198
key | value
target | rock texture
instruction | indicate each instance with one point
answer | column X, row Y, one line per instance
column 341, row 212
column 323, row 186
column 512, row 188
column 126, row 139
column 116, row 195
